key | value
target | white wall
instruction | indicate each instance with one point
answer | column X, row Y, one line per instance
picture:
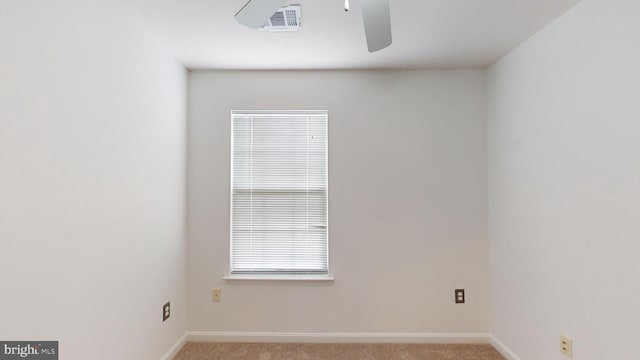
column 564, row 139
column 92, row 182
column 407, row 198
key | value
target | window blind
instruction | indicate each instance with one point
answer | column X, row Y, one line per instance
column 279, row 192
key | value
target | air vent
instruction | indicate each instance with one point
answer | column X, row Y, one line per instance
column 285, row 19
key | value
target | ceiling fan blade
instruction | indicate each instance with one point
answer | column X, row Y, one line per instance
column 256, row 12
column 377, row 23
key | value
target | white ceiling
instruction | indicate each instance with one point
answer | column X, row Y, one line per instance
column 434, row 34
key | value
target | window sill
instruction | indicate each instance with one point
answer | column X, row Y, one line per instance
column 280, row 277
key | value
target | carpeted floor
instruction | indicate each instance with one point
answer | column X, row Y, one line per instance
column 243, row 351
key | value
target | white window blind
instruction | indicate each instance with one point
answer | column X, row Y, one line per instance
column 279, row 192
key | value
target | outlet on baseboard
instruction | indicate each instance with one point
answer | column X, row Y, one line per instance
column 166, row 311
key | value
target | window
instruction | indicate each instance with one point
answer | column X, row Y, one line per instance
column 279, row 192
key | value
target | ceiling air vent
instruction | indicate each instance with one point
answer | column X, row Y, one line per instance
column 285, row 19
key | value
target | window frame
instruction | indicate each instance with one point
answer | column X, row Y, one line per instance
column 278, row 275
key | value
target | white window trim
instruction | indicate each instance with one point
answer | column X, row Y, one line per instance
column 321, row 277
column 280, row 277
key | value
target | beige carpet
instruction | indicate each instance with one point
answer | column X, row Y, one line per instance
column 231, row 351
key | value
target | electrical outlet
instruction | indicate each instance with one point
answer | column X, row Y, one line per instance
column 215, row 297
column 566, row 346
column 459, row 293
column 166, row 311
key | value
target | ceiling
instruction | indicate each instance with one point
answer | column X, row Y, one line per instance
column 427, row 34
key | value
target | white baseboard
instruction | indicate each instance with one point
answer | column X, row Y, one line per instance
column 503, row 349
column 280, row 337
column 176, row 347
